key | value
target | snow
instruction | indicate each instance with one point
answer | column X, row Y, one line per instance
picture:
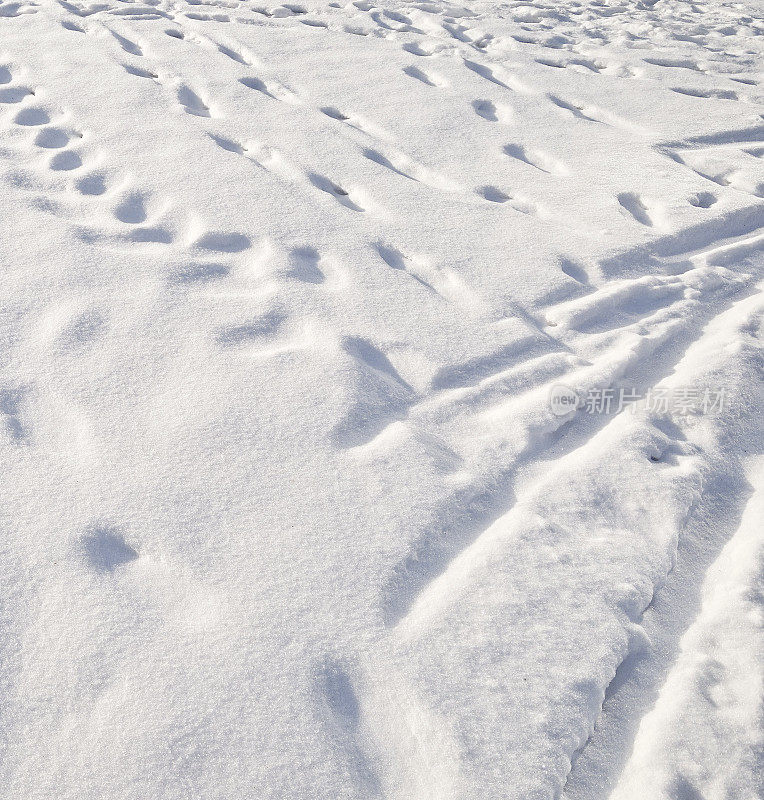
column 288, row 292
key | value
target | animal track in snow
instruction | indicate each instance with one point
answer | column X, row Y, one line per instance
column 442, row 281
column 573, row 270
column 132, row 209
column 221, row 242
column 334, row 113
column 396, row 260
column 402, row 165
column 235, row 55
column 576, row 64
column 495, row 195
column 10, row 407
column 192, row 103
column 577, row 111
column 93, row 184
column 15, row 94
column 493, row 112
column 393, row 21
column 636, row 207
column 335, row 190
column 484, row 72
column 272, row 89
column 64, row 161
column 256, row 84
column 709, row 94
column 675, row 63
column 537, row 158
column 703, row 200
column 304, row 263
column 228, row 144
column 498, row 76
column 592, row 113
column 355, row 121
column 32, row 117
column 198, row 273
column 52, row 138
column 140, row 73
column 340, row 696
column 271, row 160
column 427, row 77
column 105, row 548
column 126, row 44
column 251, row 332
column 422, row 49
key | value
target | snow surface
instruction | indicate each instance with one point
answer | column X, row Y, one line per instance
column 286, row 509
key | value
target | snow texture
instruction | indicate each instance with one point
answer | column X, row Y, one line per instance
column 288, row 293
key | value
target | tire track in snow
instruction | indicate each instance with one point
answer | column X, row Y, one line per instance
column 662, row 328
column 676, row 603
column 673, row 447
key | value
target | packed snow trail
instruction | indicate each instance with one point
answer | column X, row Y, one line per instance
column 289, row 293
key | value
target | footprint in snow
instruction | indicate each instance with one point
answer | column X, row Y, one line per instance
column 14, row 94
column 140, row 73
column 427, row 78
column 52, row 138
column 703, row 200
column 256, row 84
column 65, row 161
column 149, row 236
column 105, row 548
column 420, row 49
column 333, row 189
column 574, row 271
column 491, row 111
column 228, row 144
column 340, row 695
column 304, row 265
column 128, row 46
column 234, row 55
column 191, row 274
column 251, row 332
column 708, row 94
column 192, row 103
column 82, row 330
column 494, row 195
column 537, row 158
column 32, row 117
column 132, row 210
column 484, row 72
column 10, row 407
column 93, row 184
column 638, row 209
column 224, row 242
column 334, row 113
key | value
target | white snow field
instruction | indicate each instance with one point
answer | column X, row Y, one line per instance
column 293, row 300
